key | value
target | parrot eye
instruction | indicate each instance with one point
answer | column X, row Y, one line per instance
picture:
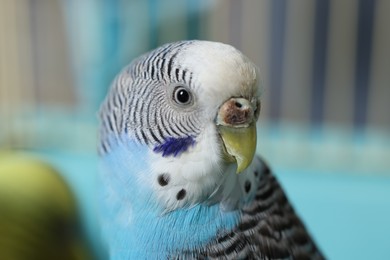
column 182, row 96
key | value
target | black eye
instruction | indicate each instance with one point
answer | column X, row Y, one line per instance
column 182, row 96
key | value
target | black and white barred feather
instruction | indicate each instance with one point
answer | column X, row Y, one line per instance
column 135, row 104
column 269, row 229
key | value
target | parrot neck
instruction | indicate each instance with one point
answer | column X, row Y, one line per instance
column 136, row 224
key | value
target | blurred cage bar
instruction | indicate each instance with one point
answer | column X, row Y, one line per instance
column 325, row 66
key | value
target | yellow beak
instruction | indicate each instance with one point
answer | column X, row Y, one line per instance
column 240, row 144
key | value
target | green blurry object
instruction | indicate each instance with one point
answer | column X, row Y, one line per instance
column 38, row 213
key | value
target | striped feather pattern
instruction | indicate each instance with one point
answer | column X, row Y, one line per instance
column 144, row 114
column 269, row 229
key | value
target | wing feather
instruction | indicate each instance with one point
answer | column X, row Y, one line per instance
column 269, row 229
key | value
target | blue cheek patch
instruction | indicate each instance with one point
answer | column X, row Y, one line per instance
column 174, row 146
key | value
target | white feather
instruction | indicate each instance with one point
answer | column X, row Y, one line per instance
column 220, row 72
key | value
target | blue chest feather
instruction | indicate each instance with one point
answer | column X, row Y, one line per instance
column 174, row 146
column 133, row 221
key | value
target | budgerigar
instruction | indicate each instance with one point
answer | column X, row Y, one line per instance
column 180, row 178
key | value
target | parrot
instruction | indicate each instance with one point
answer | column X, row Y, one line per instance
column 180, row 177
column 38, row 212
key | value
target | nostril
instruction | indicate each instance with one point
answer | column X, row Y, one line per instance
column 236, row 112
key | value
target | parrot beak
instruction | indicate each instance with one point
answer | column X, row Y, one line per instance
column 236, row 125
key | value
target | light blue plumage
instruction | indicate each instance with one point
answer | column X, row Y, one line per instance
column 177, row 126
column 133, row 217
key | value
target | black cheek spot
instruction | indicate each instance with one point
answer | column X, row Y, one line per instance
column 181, row 194
column 256, row 173
column 163, row 179
column 247, row 186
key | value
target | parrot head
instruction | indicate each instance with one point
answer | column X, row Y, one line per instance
column 177, row 126
column 194, row 105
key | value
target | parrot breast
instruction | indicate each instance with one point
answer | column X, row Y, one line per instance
column 134, row 215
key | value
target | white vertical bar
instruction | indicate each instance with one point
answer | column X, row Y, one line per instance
column 3, row 53
column 26, row 75
column 7, row 67
column 339, row 85
column 52, row 54
column 255, row 39
column 219, row 19
column 296, row 92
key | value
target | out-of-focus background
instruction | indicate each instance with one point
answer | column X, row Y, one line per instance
column 325, row 123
